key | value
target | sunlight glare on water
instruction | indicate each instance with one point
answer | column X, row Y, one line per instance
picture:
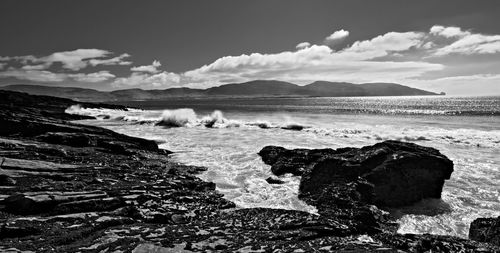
column 229, row 149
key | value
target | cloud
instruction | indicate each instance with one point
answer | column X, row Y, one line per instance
column 465, row 42
column 111, row 61
column 413, row 57
column 153, row 68
column 23, row 59
column 448, row 32
column 382, row 45
column 93, row 77
column 34, row 67
column 45, row 76
column 303, row 45
column 390, row 57
column 72, row 60
column 336, row 37
column 34, row 75
column 316, row 62
column 148, row 80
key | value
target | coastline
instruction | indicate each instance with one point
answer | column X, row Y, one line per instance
column 99, row 190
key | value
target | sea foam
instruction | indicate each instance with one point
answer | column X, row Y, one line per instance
column 227, row 144
column 187, row 117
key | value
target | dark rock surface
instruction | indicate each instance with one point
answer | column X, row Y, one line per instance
column 352, row 186
column 66, row 187
column 392, row 173
column 485, row 230
column 274, row 180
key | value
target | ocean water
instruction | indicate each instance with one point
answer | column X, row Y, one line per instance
column 225, row 135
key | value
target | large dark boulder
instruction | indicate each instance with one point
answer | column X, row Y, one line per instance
column 485, row 230
column 396, row 173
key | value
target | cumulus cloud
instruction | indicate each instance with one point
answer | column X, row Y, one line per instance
column 402, row 57
column 303, row 45
column 337, row 36
column 449, row 32
column 72, row 60
column 34, row 75
column 46, row 76
column 119, row 60
column 383, row 45
column 153, row 68
column 34, row 67
column 22, row 59
column 355, row 63
column 92, row 77
column 316, row 62
column 148, row 80
column 465, row 42
column 390, row 57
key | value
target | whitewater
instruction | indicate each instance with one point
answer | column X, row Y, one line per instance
column 225, row 135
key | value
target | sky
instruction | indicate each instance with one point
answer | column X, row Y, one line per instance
column 446, row 45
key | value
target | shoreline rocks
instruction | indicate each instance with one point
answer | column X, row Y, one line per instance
column 394, row 173
column 485, row 230
column 349, row 185
column 76, row 188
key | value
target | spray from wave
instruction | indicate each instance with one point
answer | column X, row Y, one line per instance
column 177, row 118
column 184, row 117
column 187, row 117
column 102, row 113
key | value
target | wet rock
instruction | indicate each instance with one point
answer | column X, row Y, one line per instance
column 6, row 180
column 108, row 221
column 7, row 231
column 294, row 127
column 274, row 180
column 39, row 202
column 117, row 193
column 149, row 247
column 178, row 218
column 162, row 218
column 400, row 173
column 89, row 205
column 284, row 161
column 71, row 139
column 485, row 230
column 113, row 147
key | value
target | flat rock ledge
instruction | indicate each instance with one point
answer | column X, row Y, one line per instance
column 66, row 187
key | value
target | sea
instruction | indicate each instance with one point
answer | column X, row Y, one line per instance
column 225, row 135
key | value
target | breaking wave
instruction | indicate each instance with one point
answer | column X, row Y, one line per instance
column 228, row 144
column 177, row 118
column 184, row 117
column 187, row 117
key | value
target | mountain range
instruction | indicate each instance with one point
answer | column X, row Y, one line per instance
column 257, row 88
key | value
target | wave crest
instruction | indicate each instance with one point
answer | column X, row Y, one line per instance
column 177, row 118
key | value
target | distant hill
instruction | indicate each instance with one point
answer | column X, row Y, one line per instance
column 393, row 89
column 80, row 94
column 257, row 88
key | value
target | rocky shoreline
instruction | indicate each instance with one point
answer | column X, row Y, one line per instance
column 66, row 187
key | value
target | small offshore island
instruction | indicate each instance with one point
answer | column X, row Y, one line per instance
column 67, row 187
